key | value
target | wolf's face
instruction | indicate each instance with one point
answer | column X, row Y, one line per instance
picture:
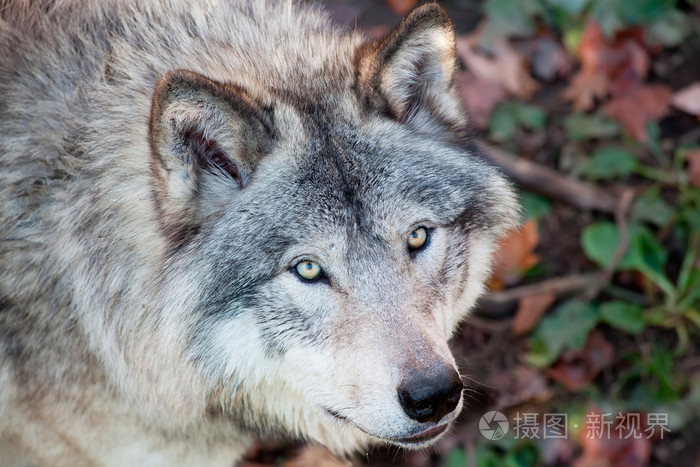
column 337, row 242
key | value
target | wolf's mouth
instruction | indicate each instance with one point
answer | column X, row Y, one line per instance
column 412, row 441
column 423, row 437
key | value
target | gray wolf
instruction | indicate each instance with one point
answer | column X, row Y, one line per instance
column 221, row 220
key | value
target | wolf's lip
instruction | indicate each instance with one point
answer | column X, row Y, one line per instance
column 414, row 440
column 424, row 436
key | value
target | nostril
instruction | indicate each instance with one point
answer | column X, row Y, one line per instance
column 429, row 398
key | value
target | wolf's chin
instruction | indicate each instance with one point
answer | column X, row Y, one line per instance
column 419, row 440
column 422, row 439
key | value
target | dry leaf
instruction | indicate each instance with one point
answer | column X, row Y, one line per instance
column 505, row 65
column 515, row 255
column 402, row 7
column 688, row 99
column 637, row 107
column 519, row 385
column 530, row 312
column 316, row 456
column 586, row 88
column 578, row 368
column 693, row 158
column 480, row 97
column 618, row 448
column 607, row 65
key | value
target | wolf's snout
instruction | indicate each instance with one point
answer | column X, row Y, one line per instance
column 428, row 398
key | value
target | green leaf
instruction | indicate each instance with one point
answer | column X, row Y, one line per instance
column 524, row 455
column 530, row 116
column 606, row 14
column 581, row 127
column 456, row 458
column 487, row 458
column 650, row 207
column 654, row 140
column 599, row 242
column 535, row 206
column 508, row 18
column 508, row 116
column 671, row 29
column 644, row 254
column 572, row 7
column 642, row 11
column 647, row 255
column 567, row 327
column 624, row 316
column 502, row 124
column 656, row 316
column 610, row 162
column 685, row 276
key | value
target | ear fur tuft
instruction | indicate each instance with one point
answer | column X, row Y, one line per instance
column 410, row 73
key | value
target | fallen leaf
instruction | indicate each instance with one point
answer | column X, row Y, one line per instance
column 612, row 447
column 480, row 96
column 519, row 385
column 637, row 107
column 504, row 65
column 402, row 7
column 578, row 368
column 316, row 456
column 530, row 312
column 515, row 255
column 607, row 65
column 586, row 88
column 688, row 99
column 693, row 158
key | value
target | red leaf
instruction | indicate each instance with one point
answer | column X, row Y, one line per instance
column 637, row 107
column 613, row 447
column 530, row 312
column 693, row 158
column 515, row 255
column 607, row 66
column 505, row 65
column 480, row 96
column 577, row 368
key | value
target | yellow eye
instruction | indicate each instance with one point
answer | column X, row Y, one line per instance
column 418, row 238
column 308, row 270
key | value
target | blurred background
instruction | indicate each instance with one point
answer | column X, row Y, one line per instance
column 586, row 350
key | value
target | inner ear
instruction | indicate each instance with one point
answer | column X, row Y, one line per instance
column 209, row 154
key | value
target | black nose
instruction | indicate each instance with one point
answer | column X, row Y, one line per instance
column 429, row 397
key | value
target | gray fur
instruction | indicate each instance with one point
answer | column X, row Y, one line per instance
column 149, row 310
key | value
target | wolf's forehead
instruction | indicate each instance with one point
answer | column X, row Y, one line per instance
column 359, row 179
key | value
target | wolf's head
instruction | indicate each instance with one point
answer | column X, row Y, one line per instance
column 325, row 240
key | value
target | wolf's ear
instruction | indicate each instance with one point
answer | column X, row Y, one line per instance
column 206, row 138
column 203, row 133
column 410, row 73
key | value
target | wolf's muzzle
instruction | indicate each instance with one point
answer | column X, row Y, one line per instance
column 429, row 397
